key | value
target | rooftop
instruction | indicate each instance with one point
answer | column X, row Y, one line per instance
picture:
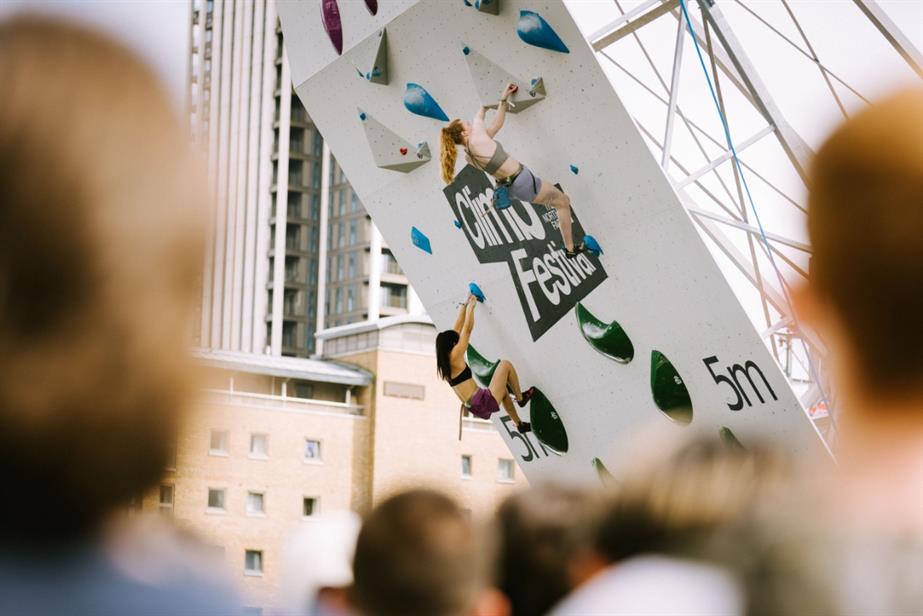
column 321, row 370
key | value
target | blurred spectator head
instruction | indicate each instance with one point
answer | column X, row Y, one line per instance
column 100, row 244
column 545, row 545
column 865, row 219
column 672, row 503
column 418, row 555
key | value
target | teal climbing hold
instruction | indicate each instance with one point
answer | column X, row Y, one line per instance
column 481, row 368
column 362, row 116
column 592, row 245
column 420, row 240
column 604, row 475
column 546, row 423
column 607, row 338
column 476, row 291
column 729, row 439
column 669, row 391
column 534, row 30
column 466, row 50
column 457, row 223
column 574, row 169
column 417, row 100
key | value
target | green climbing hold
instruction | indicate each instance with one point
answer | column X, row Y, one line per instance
column 669, row 391
column 546, row 423
column 728, row 438
column 604, row 475
column 482, row 368
column 610, row 340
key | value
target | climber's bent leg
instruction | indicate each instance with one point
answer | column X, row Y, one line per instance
column 550, row 196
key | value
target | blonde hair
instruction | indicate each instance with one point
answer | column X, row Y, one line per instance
column 451, row 136
column 100, row 252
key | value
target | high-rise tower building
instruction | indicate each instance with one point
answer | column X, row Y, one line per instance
column 292, row 250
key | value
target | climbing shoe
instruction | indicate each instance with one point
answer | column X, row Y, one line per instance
column 572, row 254
column 526, row 396
column 524, row 426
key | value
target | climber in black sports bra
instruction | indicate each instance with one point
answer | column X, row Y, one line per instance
column 451, row 346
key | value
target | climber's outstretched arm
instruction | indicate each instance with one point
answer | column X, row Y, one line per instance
column 500, row 116
column 468, row 325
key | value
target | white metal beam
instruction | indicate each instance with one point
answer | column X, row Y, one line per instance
column 889, row 29
column 674, row 95
column 725, row 157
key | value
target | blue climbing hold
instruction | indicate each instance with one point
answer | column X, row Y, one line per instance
column 420, row 240
column 534, row 30
column 466, row 50
column 376, row 72
column 457, row 223
column 476, row 291
column 360, row 73
column 362, row 116
column 368, row 76
column 417, row 100
column 468, row 3
column 574, row 169
column 592, row 245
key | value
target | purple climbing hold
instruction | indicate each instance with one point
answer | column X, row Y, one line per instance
column 534, row 30
column 330, row 15
column 417, row 100
column 574, row 169
column 420, row 240
column 372, row 6
column 457, row 223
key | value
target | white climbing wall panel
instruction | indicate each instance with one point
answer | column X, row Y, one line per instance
column 659, row 281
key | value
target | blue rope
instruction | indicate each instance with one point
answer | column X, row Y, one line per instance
column 730, row 142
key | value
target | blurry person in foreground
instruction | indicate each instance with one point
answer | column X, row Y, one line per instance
column 865, row 299
column 545, row 545
column 100, row 244
column 418, row 554
column 663, row 529
column 317, row 568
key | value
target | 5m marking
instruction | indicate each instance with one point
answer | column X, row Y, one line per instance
column 733, row 381
column 531, row 452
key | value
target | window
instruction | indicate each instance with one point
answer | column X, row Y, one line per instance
column 218, row 443
column 259, row 446
column 309, row 506
column 352, row 265
column 255, row 503
column 216, row 498
column 166, row 499
column 466, row 466
column 304, row 390
column 311, row 450
column 349, row 300
column 352, row 231
column 504, row 470
column 253, row 562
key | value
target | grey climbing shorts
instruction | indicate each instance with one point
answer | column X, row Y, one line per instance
column 525, row 186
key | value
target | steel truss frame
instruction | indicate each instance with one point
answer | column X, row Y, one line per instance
column 730, row 64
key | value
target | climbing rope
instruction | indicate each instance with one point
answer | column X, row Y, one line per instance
column 765, row 239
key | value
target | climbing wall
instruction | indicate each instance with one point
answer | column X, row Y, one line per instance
column 647, row 333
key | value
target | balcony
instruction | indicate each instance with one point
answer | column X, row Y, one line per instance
column 283, row 403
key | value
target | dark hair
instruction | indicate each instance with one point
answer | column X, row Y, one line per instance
column 416, row 555
column 99, row 257
column 865, row 220
column 445, row 342
column 541, row 532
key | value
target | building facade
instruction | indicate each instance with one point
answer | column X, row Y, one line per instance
column 278, row 440
column 291, row 248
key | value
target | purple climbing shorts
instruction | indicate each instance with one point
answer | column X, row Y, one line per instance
column 525, row 186
column 483, row 404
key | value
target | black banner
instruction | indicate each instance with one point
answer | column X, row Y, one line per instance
column 526, row 236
